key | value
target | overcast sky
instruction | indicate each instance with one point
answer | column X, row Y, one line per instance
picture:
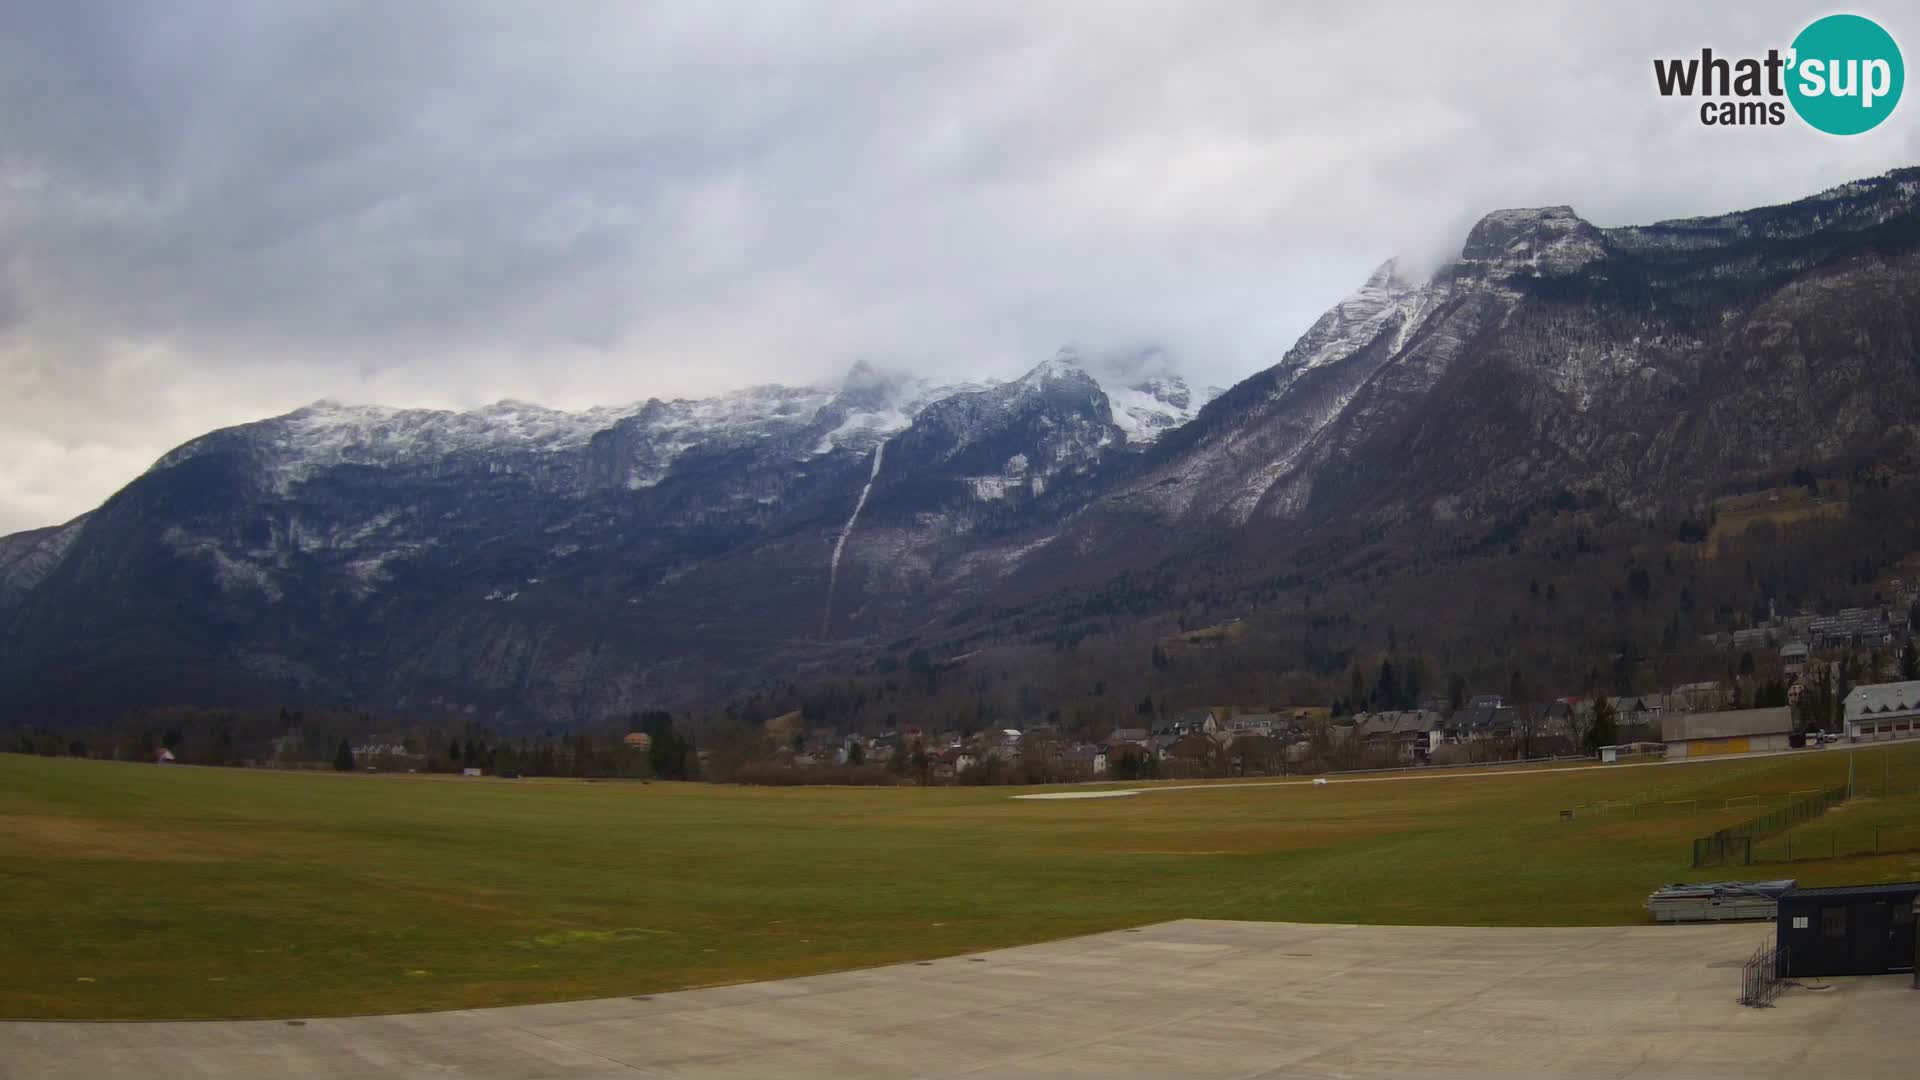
column 215, row 212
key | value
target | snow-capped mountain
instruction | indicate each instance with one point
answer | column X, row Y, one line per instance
column 646, row 439
column 336, row 521
column 534, row 566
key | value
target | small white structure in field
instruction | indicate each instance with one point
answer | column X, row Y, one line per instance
column 1319, row 781
column 469, row 772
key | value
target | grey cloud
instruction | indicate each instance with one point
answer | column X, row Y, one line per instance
column 12, row 308
column 211, row 212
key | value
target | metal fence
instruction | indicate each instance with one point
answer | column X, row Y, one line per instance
column 1763, row 975
column 1717, row 850
column 1734, row 844
column 1838, row 842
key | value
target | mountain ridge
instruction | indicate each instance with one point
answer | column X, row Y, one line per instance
column 532, row 566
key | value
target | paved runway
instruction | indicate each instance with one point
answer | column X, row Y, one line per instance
column 1191, row 999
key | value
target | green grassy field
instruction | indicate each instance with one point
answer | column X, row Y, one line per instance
column 139, row 891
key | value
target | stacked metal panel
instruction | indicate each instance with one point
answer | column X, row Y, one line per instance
column 1717, row 901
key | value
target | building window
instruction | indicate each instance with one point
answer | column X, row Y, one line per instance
column 1833, row 922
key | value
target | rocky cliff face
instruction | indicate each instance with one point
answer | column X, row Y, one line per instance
column 1649, row 364
column 531, row 566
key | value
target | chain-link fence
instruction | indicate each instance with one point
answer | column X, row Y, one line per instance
column 1734, row 844
column 1835, row 842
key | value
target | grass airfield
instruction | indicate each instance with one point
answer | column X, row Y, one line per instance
column 140, row 892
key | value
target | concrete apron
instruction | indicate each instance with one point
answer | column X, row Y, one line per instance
column 1192, row 998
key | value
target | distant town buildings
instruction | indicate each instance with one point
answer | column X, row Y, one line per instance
column 1854, row 627
column 1691, row 719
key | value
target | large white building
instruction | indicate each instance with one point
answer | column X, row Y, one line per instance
column 1884, row 711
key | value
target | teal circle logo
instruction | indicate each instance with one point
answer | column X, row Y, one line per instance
column 1846, row 74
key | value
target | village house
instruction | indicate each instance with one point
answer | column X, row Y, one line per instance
column 1256, row 752
column 1085, row 760
column 1641, row 709
column 1793, row 659
column 1260, row 723
column 1195, row 749
column 1188, row 720
column 1118, row 752
column 1374, row 730
column 1481, row 723
column 1564, row 715
column 1697, row 697
column 952, row 761
column 1418, row 733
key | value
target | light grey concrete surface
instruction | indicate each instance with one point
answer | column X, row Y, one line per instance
column 1192, row 998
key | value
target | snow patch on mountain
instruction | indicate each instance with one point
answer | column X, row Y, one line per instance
column 328, row 432
column 371, row 571
column 862, row 426
column 27, row 558
column 232, row 574
column 1545, row 240
column 1149, row 409
column 1386, row 297
column 514, row 438
column 876, row 407
column 993, row 488
column 1148, row 398
column 840, row 545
